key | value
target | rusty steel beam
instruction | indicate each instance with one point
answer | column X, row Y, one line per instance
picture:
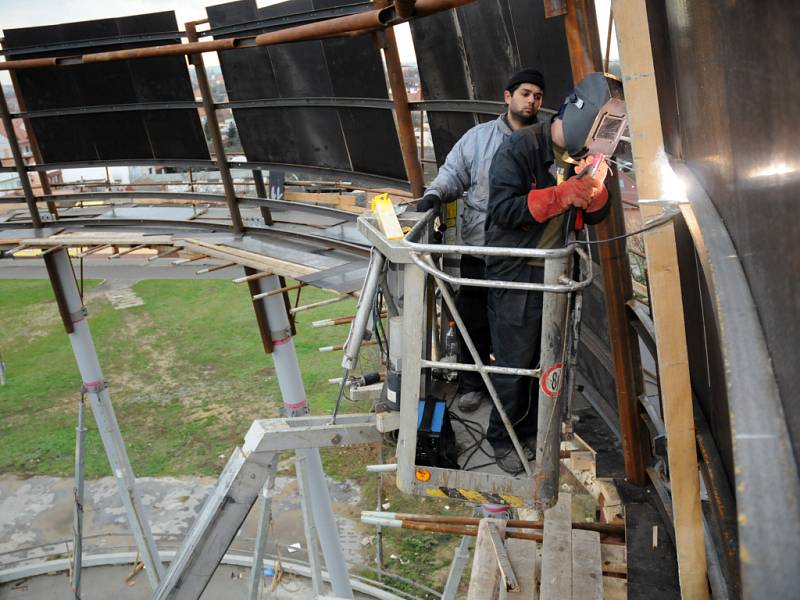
column 405, row 8
column 585, row 56
column 34, row 143
column 19, row 163
column 216, row 136
column 617, row 529
column 348, row 25
column 405, row 124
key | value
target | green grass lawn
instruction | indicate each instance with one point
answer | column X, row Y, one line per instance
column 186, row 371
column 187, row 376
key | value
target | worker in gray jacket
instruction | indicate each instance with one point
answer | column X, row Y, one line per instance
column 466, row 171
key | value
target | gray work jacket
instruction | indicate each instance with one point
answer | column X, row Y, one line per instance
column 466, row 169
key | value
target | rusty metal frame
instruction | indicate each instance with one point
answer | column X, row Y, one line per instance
column 354, row 24
column 214, row 130
column 583, row 39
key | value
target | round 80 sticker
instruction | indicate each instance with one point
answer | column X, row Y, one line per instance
column 550, row 381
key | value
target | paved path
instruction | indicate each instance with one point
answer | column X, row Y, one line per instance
column 37, row 511
column 122, row 270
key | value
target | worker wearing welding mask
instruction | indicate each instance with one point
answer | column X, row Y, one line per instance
column 529, row 208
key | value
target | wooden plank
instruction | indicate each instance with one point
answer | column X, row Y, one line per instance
column 582, row 465
column 614, row 559
column 523, row 555
column 321, row 198
column 249, row 259
column 485, row 570
column 557, row 551
column 507, row 575
column 587, row 573
column 100, row 237
column 653, row 186
column 615, row 588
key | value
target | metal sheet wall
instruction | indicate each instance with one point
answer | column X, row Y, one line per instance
column 732, row 68
column 152, row 134
column 470, row 53
column 350, row 139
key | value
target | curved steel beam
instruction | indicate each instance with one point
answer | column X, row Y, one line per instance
column 767, row 482
column 355, row 177
column 61, row 199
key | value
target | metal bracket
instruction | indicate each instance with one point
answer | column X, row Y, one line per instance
column 281, row 334
column 94, row 387
column 79, row 315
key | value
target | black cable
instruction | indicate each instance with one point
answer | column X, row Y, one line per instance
column 657, row 223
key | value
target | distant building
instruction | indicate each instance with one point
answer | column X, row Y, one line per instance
column 10, row 181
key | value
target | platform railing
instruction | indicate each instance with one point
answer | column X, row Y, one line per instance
column 413, row 257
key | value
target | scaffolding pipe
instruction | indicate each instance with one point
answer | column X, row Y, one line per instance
column 77, row 517
column 616, row 529
column 264, row 525
column 63, row 282
column 295, row 405
column 551, row 359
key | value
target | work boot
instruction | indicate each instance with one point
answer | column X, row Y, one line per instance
column 470, row 401
column 507, row 459
column 529, row 445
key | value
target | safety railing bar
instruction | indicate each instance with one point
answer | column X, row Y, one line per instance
column 473, row 351
column 490, row 250
column 419, row 226
column 437, row 364
column 566, row 288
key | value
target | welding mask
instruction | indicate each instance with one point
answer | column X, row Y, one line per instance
column 593, row 116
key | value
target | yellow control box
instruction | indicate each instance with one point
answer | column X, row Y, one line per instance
column 387, row 219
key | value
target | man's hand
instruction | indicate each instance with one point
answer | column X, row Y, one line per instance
column 550, row 202
column 576, row 192
column 599, row 175
column 600, row 193
column 428, row 202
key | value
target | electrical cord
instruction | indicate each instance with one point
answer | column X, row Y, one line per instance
column 665, row 217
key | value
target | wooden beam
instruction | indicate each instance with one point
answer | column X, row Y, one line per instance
column 524, row 560
column 587, row 573
column 557, row 551
column 652, row 172
column 485, row 574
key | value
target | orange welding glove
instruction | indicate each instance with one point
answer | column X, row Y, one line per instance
column 549, row 202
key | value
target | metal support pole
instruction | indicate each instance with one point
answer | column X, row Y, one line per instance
column 19, row 163
column 405, row 124
column 294, row 404
column 261, row 192
column 62, row 278
column 264, row 524
column 277, row 185
column 77, row 517
column 309, row 527
column 460, row 558
column 548, row 440
column 213, row 128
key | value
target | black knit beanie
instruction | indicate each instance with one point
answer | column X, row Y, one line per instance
column 526, row 76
